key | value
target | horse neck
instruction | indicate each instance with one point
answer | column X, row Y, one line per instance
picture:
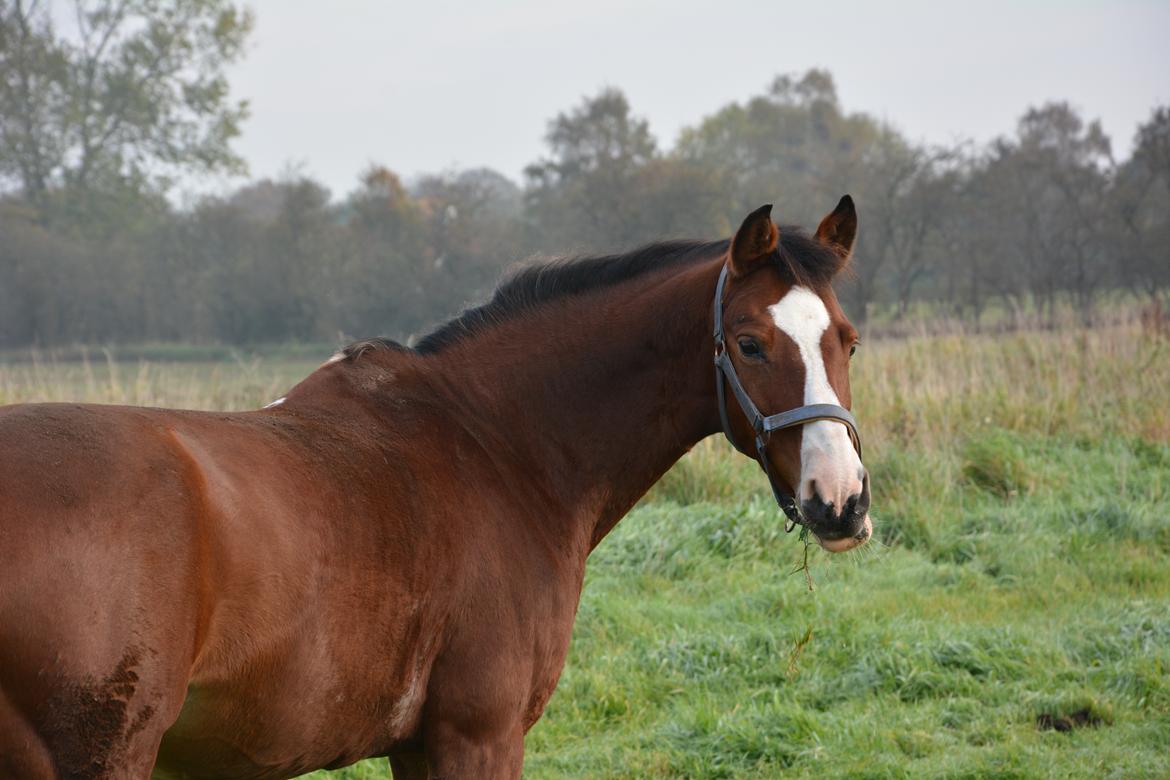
column 597, row 395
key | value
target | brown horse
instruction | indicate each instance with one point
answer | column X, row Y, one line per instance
column 387, row 562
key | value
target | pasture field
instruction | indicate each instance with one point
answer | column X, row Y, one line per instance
column 1011, row 618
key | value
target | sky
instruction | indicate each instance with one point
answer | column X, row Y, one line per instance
column 428, row 86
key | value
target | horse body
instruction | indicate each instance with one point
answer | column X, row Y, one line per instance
column 213, row 582
column 288, row 589
column 388, row 562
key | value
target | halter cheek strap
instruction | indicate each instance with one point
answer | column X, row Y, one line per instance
column 763, row 426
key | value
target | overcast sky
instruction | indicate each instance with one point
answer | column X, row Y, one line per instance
column 426, row 86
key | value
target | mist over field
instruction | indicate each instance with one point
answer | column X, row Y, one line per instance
column 101, row 116
column 1011, row 617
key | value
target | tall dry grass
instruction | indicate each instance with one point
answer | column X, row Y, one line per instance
column 238, row 383
column 925, row 389
column 931, row 390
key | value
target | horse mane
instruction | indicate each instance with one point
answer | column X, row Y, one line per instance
column 564, row 277
column 359, row 348
column 799, row 257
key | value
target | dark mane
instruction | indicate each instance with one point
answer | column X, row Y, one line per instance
column 801, row 258
column 564, row 277
column 359, row 348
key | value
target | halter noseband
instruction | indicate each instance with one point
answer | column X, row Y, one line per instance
column 761, row 425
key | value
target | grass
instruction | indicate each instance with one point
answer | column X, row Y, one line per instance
column 236, row 381
column 1012, row 618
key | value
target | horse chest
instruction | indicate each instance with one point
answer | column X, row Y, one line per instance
column 285, row 733
column 309, row 700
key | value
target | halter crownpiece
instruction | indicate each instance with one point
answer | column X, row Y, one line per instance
column 762, row 425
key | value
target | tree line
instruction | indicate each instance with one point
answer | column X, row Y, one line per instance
column 96, row 122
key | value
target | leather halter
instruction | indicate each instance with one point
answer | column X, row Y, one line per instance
column 764, row 426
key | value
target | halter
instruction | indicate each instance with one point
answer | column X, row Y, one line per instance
column 764, row 426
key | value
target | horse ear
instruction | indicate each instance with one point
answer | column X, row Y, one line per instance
column 755, row 240
column 839, row 228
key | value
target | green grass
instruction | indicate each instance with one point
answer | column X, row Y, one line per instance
column 932, row 656
column 1020, row 580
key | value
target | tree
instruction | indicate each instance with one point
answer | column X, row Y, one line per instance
column 1152, row 147
column 1141, row 200
column 908, row 192
column 970, row 237
column 473, row 228
column 598, row 135
column 383, row 280
column 582, row 193
column 1053, row 192
column 792, row 146
column 133, row 93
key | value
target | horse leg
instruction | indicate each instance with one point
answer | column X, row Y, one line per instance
column 76, row 716
column 22, row 752
column 409, row 766
column 57, row 749
column 455, row 754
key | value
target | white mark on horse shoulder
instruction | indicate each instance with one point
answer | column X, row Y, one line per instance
column 405, row 709
column 277, row 402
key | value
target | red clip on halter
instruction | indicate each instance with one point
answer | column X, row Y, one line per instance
column 763, row 426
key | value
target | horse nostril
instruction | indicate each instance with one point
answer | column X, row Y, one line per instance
column 837, row 519
column 850, row 506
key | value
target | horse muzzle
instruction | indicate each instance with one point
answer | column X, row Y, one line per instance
column 839, row 528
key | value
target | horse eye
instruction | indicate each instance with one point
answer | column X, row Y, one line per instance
column 749, row 347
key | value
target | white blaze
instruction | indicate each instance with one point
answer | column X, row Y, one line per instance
column 827, row 457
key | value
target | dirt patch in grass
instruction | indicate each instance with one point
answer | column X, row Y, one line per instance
column 1074, row 720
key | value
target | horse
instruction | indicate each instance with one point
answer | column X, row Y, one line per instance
column 388, row 560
